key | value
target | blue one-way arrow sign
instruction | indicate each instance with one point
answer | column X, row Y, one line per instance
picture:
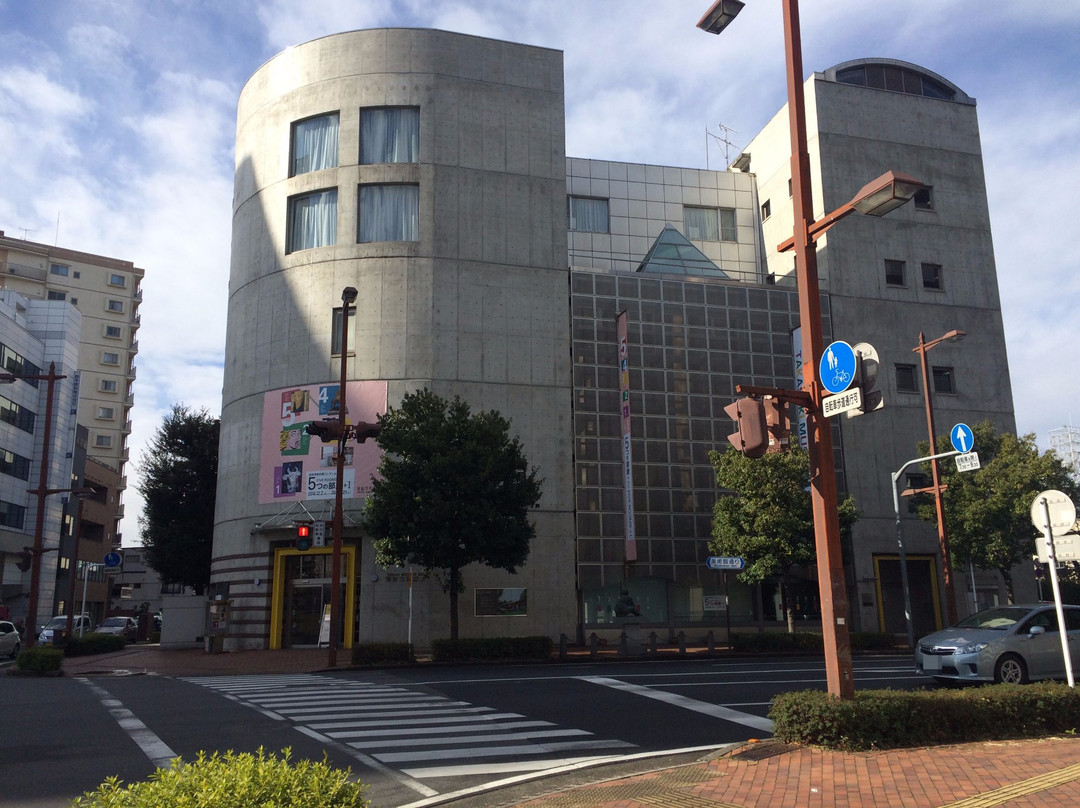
column 963, row 439
column 725, row 562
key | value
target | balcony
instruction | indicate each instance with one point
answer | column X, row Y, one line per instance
column 23, row 271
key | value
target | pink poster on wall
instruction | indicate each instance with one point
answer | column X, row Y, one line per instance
column 296, row 466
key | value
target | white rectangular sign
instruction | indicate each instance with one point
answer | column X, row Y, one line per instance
column 322, row 483
column 968, row 462
column 842, row 402
column 714, row 603
column 1066, row 547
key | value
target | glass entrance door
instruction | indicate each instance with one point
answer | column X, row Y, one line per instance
column 304, row 611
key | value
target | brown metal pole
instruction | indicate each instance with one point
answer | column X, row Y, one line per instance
column 935, row 476
column 74, row 566
column 833, row 592
column 39, row 518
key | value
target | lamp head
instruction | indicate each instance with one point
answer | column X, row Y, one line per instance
column 348, row 295
column 720, row 15
column 954, row 336
column 888, row 192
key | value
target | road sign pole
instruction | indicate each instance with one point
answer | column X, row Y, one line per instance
column 1048, row 532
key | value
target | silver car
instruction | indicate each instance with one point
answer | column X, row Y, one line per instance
column 1015, row 644
column 10, row 641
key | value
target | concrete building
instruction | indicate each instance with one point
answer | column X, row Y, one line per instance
column 428, row 170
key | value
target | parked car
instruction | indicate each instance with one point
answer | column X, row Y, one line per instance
column 10, row 641
column 80, row 624
column 1015, row 644
column 120, row 625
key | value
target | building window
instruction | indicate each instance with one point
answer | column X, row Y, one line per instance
column 335, row 331
column 587, row 215
column 108, row 386
column 924, row 198
column 117, row 280
column 389, row 135
column 54, row 295
column 312, row 221
column 14, row 465
column 16, row 415
column 766, row 209
column 12, row 515
column 105, row 413
column 709, row 224
column 389, row 213
column 894, row 272
column 115, row 306
column 103, row 441
column 943, row 380
column 14, row 362
column 314, row 144
column 110, row 358
column 906, row 379
column 58, row 269
column 931, row 276
column 113, row 332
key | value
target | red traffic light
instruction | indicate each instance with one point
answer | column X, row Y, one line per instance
column 363, row 430
column 752, row 436
column 326, row 429
column 303, row 536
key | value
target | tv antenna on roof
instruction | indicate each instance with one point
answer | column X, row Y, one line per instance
column 26, row 231
column 723, row 138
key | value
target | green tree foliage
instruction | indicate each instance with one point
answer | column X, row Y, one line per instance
column 988, row 511
column 453, row 489
column 179, row 486
column 768, row 518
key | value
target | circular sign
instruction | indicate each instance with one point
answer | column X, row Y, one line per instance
column 112, row 559
column 836, row 370
column 963, row 439
column 1058, row 506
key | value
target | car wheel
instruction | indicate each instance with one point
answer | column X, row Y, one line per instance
column 1010, row 669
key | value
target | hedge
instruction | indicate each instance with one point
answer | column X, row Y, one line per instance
column 93, row 643
column 372, row 653
column 40, row 659
column 481, row 648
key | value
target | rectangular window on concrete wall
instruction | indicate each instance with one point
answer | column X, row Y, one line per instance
column 709, row 224
column 12, row 515
column 587, row 215
column 335, row 331
column 906, row 379
column 932, row 276
column 312, row 221
column 389, row 213
column 894, row 272
column 314, row 144
column 389, row 135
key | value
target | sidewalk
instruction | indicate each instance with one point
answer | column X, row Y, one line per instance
column 1042, row 773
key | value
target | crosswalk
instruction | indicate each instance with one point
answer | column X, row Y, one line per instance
column 420, row 734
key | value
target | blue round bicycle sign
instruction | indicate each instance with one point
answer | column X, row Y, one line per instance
column 836, row 370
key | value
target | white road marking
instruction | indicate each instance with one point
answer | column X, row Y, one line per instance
column 148, row 742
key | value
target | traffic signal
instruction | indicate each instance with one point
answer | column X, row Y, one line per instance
column 303, row 536
column 776, row 421
column 752, row 435
column 327, row 429
column 25, row 559
column 363, row 430
column 866, row 373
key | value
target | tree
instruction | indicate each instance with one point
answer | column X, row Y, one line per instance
column 768, row 518
column 179, row 486
column 453, row 489
column 988, row 511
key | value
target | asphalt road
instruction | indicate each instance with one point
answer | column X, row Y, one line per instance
column 417, row 736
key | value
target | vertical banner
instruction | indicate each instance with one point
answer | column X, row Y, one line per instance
column 624, row 411
column 797, row 353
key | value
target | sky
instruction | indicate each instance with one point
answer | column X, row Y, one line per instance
column 117, row 125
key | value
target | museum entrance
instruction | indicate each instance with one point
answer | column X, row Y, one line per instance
column 301, row 598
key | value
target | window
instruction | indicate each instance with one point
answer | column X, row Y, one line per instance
column 117, row 280
column 58, row 269
column 110, row 358
column 14, row 465
column 113, row 332
column 16, row 415
column 943, row 380
column 12, row 515
column 924, row 198
column 314, row 144
column 14, row 362
column 105, row 413
column 906, row 380
column 115, row 305
column 103, row 441
column 335, row 331
column 54, row 295
column 586, row 215
column 931, row 276
column 709, row 224
column 894, row 272
column 312, row 221
column 389, row 135
column 389, row 213
column 766, row 209
column 108, row 386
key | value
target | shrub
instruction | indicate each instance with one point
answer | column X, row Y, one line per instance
column 476, row 648
column 370, row 653
column 40, row 659
column 90, row 644
column 236, row 780
column 889, row 719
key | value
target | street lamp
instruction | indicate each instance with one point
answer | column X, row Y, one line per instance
column 42, row 491
column 935, row 475
column 348, row 297
column 81, row 494
column 876, row 198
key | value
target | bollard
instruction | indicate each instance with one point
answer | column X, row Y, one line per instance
column 593, row 643
column 623, row 649
column 652, row 642
column 710, row 641
column 682, row 643
column 562, row 646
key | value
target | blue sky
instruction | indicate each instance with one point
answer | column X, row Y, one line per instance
column 117, row 120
